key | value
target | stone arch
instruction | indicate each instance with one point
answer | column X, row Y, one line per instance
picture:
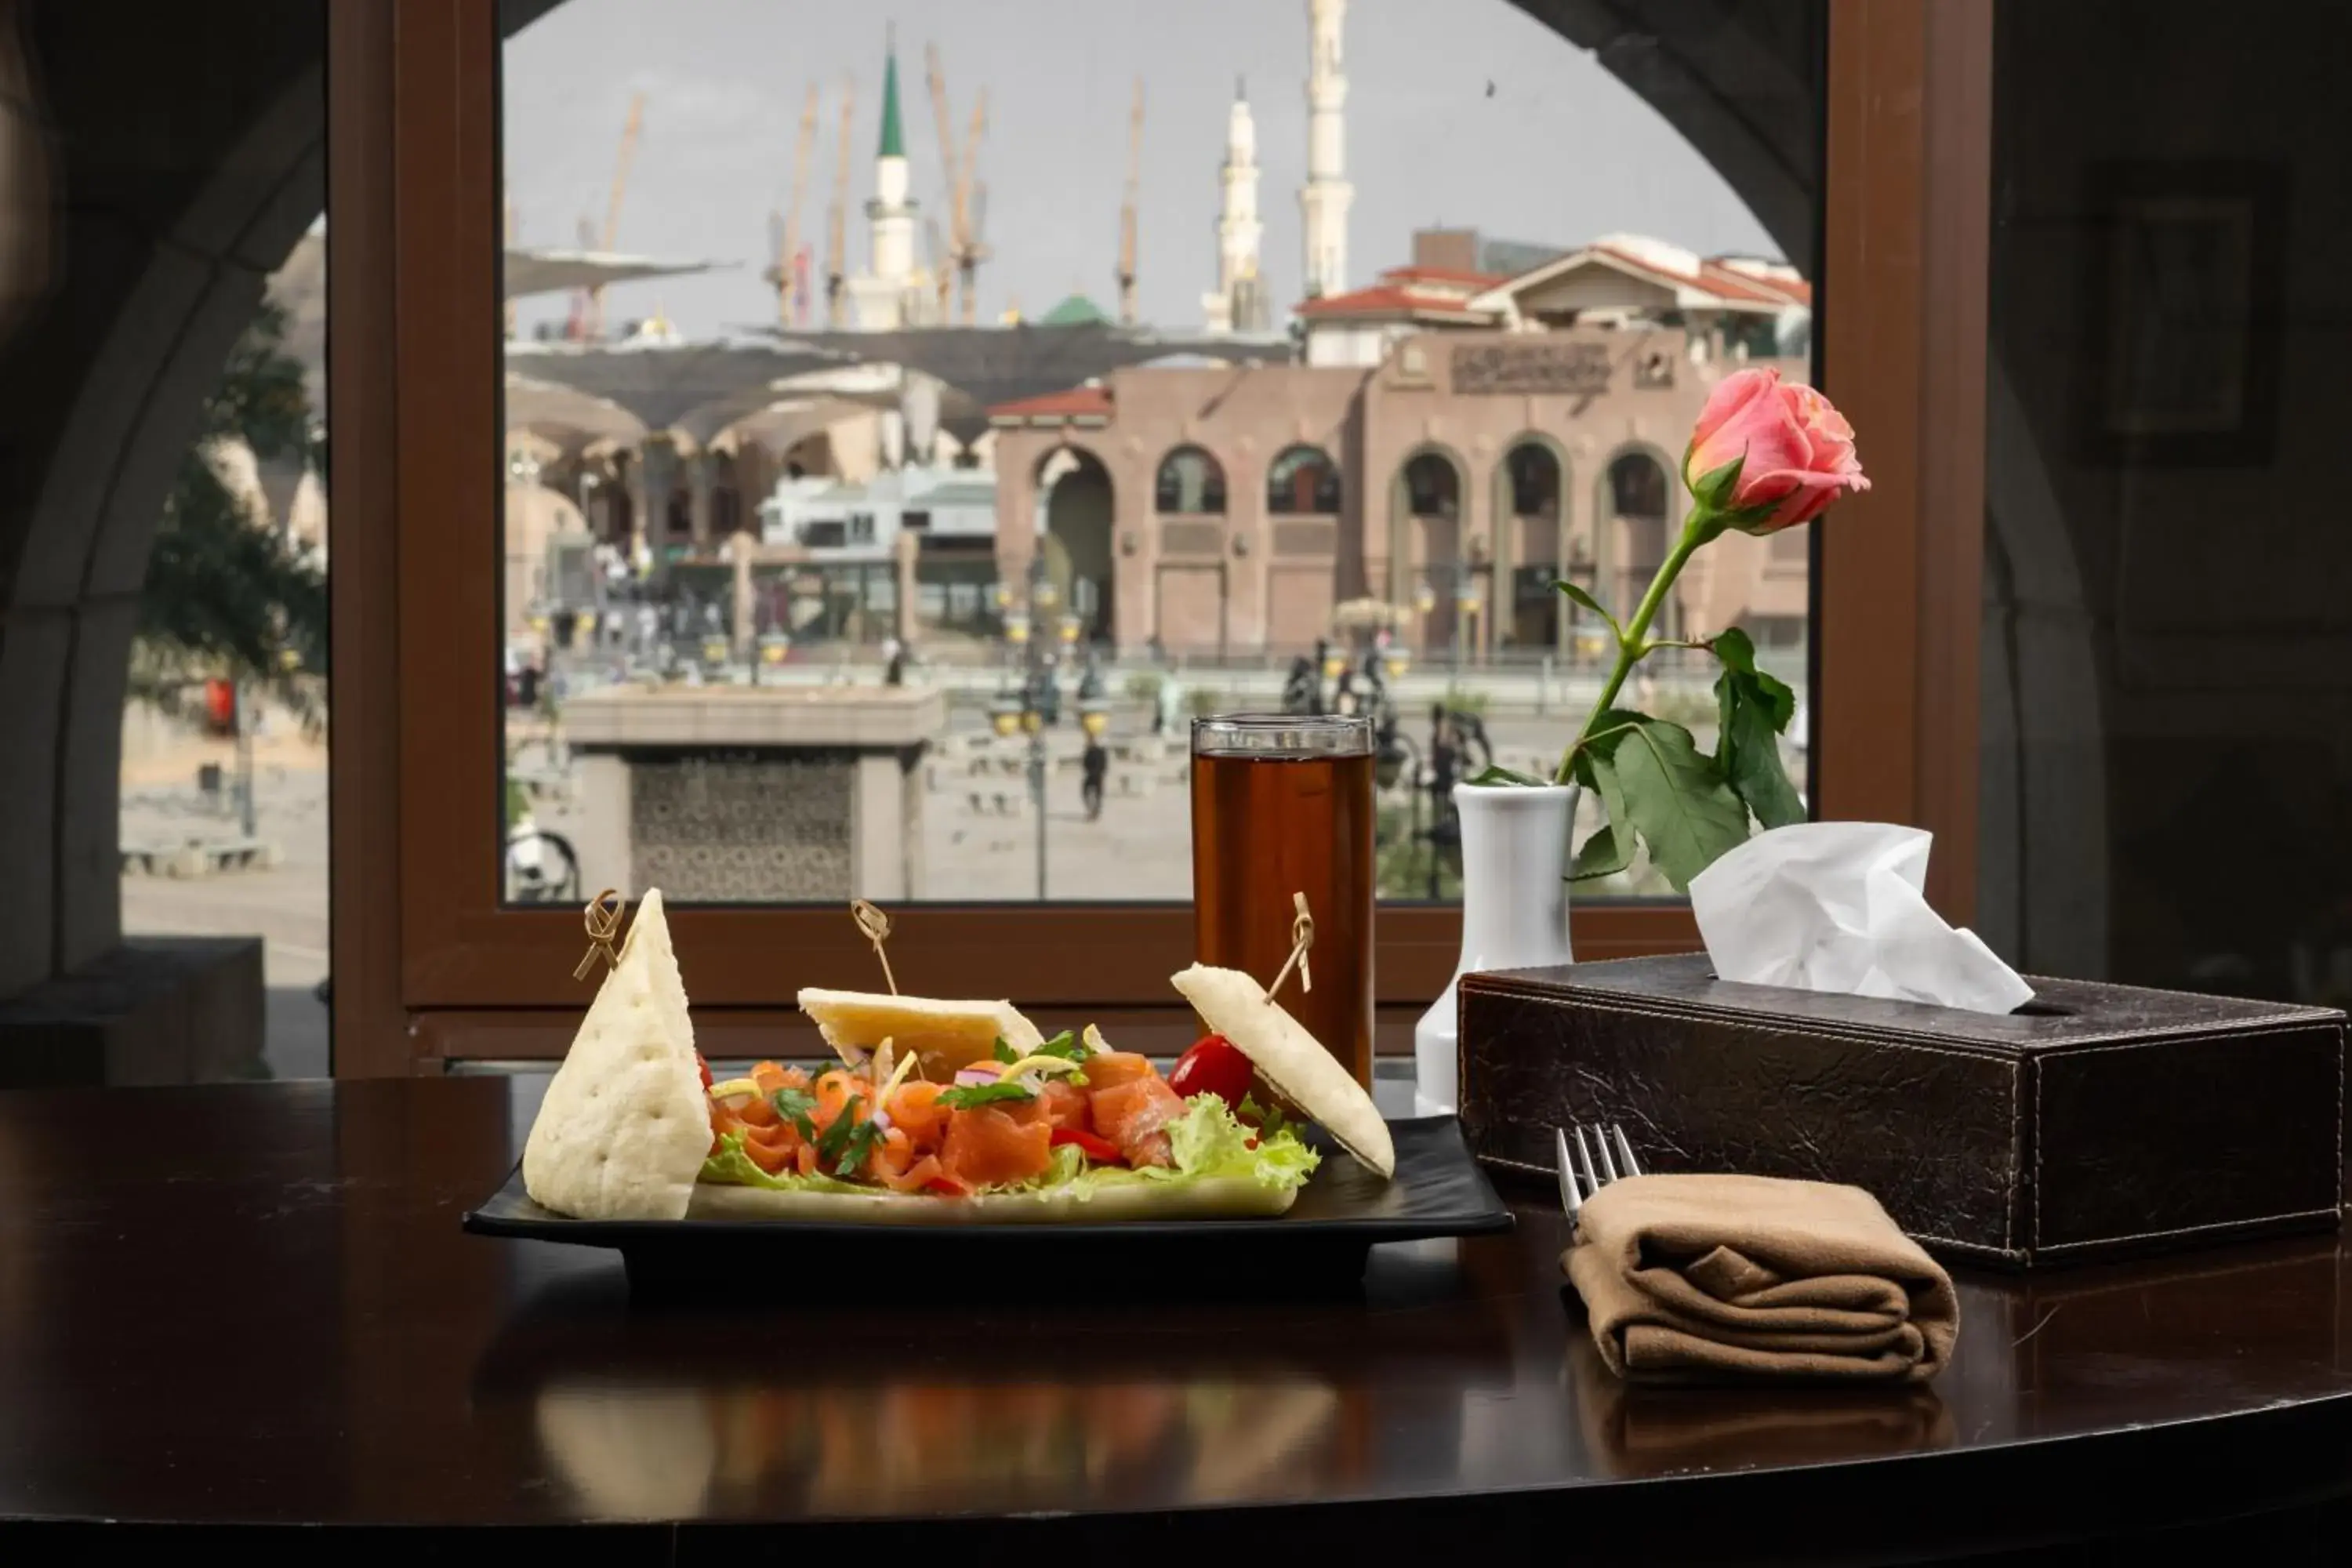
column 1303, row 481
column 1077, row 516
column 150, row 282
column 1629, row 546
column 1190, row 482
column 1531, row 543
column 1427, row 492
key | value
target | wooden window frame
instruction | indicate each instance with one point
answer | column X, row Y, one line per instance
column 431, row 968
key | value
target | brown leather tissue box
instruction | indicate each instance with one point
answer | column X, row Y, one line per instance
column 2098, row 1120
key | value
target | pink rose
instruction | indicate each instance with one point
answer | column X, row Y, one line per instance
column 1799, row 449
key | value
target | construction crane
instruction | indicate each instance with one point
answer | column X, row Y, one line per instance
column 965, row 251
column 575, row 325
column 836, row 248
column 943, row 278
column 791, row 308
column 1128, row 314
column 970, row 206
column 628, row 155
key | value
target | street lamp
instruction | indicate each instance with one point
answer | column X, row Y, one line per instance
column 1467, row 606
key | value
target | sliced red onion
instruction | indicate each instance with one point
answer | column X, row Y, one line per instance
column 975, row 1075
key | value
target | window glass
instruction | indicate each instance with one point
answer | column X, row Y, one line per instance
column 897, row 411
column 2165, row 776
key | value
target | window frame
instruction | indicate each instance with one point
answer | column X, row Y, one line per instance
column 431, row 967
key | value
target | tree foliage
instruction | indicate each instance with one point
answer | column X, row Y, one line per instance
column 225, row 595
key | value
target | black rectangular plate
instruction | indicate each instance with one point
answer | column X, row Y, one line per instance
column 1343, row 1210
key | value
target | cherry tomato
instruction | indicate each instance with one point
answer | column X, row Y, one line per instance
column 1091, row 1145
column 1213, row 1066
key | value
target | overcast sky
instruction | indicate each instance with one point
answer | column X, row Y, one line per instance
column 1462, row 112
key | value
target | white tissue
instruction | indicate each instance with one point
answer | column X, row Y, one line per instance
column 1839, row 906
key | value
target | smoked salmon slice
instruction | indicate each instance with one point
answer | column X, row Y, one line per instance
column 1132, row 1115
column 916, row 1111
column 986, row 1148
column 1057, row 1104
column 1110, row 1068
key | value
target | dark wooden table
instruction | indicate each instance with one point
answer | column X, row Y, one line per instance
column 251, row 1307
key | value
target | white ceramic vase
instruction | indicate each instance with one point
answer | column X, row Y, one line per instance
column 1514, row 912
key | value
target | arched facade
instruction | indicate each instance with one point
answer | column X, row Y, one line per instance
column 1302, row 481
column 1532, row 545
column 1426, row 541
column 1637, row 509
column 1076, row 506
column 1191, row 482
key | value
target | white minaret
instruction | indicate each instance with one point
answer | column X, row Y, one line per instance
column 884, row 295
column 1238, row 305
column 1323, row 202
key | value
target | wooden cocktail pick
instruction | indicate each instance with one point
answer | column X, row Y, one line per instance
column 603, row 923
column 875, row 926
column 1302, row 937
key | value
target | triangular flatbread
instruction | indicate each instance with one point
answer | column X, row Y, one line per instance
column 1289, row 1059
column 624, row 1127
column 944, row 1036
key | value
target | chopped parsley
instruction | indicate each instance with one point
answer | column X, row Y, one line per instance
column 1066, row 1046
column 844, row 1145
column 1005, row 1051
column 795, row 1105
column 964, row 1096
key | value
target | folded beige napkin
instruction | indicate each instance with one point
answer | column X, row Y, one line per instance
column 1693, row 1279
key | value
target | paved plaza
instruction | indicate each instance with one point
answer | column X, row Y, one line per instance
column 980, row 826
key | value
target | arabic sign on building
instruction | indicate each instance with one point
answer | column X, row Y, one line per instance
column 1579, row 370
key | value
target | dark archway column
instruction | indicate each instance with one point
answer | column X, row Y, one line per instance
column 181, row 150
column 1739, row 78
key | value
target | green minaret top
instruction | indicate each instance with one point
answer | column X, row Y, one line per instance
column 894, row 142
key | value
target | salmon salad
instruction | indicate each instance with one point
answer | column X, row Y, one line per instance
column 1066, row 1117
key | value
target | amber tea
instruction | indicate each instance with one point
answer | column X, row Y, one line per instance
column 1283, row 805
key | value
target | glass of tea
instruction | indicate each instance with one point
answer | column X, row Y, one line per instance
column 1282, row 804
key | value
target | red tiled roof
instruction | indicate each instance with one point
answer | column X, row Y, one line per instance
column 1389, row 299
column 1789, row 290
column 1072, row 402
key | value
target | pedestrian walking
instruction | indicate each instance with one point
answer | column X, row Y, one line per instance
column 1095, row 766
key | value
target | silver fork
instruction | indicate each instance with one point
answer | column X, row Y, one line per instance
column 1577, row 1184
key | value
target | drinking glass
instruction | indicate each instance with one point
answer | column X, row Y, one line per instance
column 1282, row 804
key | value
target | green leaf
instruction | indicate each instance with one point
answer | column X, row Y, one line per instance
column 1611, row 849
column 1066, row 1045
column 1599, row 856
column 1676, row 801
column 1500, row 775
column 1751, row 752
column 1713, row 490
column 1005, row 1052
column 964, row 1096
column 1731, row 646
column 1584, row 598
column 795, row 1105
column 856, row 1146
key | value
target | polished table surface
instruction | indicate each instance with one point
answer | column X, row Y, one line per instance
column 250, row 1305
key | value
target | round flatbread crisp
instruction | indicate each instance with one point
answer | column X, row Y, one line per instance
column 1291, row 1059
